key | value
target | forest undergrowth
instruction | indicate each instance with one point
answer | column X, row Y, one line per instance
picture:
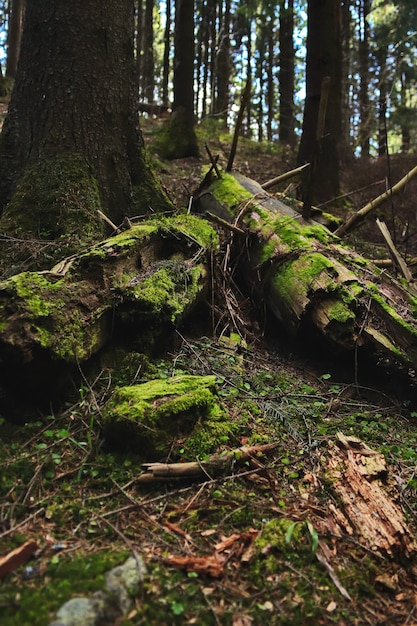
column 263, row 542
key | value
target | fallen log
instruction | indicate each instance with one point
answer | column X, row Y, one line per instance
column 310, row 280
column 142, row 282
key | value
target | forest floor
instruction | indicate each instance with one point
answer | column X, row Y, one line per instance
column 272, row 540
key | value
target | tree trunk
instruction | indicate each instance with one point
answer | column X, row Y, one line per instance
column 312, row 284
column 180, row 140
column 323, row 60
column 286, row 73
column 223, row 66
column 77, row 147
column 14, row 37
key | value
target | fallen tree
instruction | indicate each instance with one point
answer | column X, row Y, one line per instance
column 142, row 282
column 309, row 279
column 147, row 279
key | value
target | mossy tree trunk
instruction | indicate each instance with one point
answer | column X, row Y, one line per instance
column 73, row 115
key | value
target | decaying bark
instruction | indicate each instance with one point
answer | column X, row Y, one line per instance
column 310, row 280
column 142, row 282
column 359, row 476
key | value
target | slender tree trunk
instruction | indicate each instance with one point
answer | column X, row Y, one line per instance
column 148, row 61
column 323, row 59
column 382, row 103
column 167, row 44
column 223, row 66
column 180, row 139
column 14, row 36
column 286, row 73
column 139, row 47
column 364, row 111
column 270, row 79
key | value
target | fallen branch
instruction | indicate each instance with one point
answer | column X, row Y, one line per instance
column 280, row 179
column 215, row 465
column 355, row 219
column 397, row 259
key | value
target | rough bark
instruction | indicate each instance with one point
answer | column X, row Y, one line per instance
column 180, row 139
column 77, row 71
column 311, row 281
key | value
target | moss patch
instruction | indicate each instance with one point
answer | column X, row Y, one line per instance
column 55, row 200
column 147, row 418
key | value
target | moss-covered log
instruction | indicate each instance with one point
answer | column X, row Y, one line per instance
column 310, row 280
column 143, row 281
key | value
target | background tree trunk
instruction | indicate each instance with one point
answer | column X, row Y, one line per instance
column 323, row 59
column 286, row 73
column 180, row 139
column 14, row 36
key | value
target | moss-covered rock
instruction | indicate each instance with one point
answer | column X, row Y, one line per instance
column 147, row 418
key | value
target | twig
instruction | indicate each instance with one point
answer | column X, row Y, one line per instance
column 25, row 521
column 108, row 221
column 224, row 223
column 395, row 255
column 213, row 162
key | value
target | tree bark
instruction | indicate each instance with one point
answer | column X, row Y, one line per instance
column 323, row 59
column 77, row 71
column 180, row 139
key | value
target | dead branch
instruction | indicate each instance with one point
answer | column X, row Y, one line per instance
column 215, row 465
column 355, row 219
column 395, row 255
column 245, row 98
column 280, row 179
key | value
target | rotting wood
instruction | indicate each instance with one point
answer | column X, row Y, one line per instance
column 310, row 280
column 215, row 465
column 360, row 479
column 17, row 557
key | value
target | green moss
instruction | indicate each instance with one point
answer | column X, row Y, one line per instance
column 146, row 418
column 178, row 139
column 229, row 192
column 213, row 432
column 38, row 599
column 55, row 199
column 168, row 292
column 281, row 534
column 295, row 278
